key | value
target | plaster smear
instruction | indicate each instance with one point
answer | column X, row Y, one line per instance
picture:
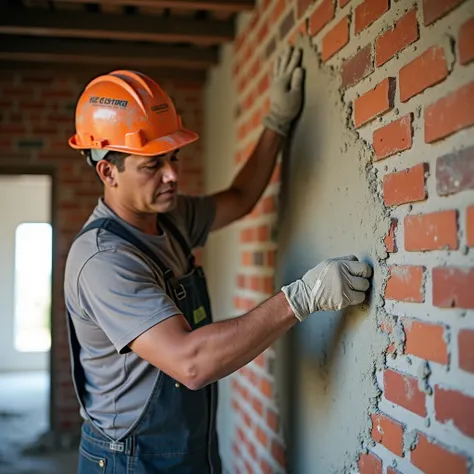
column 330, row 206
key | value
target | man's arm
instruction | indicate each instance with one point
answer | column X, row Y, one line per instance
column 197, row 358
column 250, row 183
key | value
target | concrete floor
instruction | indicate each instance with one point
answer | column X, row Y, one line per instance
column 23, row 421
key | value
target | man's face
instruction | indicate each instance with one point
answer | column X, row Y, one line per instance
column 149, row 184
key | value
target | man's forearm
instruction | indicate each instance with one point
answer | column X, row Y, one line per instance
column 221, row 348
column 254, row 176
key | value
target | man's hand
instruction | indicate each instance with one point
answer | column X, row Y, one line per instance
column 332, row 285
column 285, row 91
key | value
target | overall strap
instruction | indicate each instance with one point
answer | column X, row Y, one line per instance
column 113, row 226
column 174, row 231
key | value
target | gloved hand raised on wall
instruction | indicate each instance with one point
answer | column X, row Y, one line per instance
column 330, row 286
column 285, row 91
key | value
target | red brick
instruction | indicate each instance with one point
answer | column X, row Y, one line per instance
column 425, row 340
column 278, row 453
column 265, row 467
column 388, row 432
column 405, row 186
column 357, row 67
column 455, row 172
column 427, row 70
column 405, row 284
column 262, row 436
column 470, row 226
column 404, row 33
column 389, row 240
column 266, row 388
column 466, row 350
column 272, row 420
column 393, row 138
column 370, row 464
column 368, row 12
column 262, row 32
column 403, row 390
column 391, row 470
column 321, row 16
column 336, row 39
column 466, row 42
column 432, row 458
column 302, row 6
column 453, row 287
column 257, row 405
column 343, row 3
column 450, row 114
column 375, row 102
column 451, row 405
column 435, row 9
column 435, row 231
column 277, row 11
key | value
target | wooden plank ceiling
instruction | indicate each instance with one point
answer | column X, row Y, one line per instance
column 174, row 38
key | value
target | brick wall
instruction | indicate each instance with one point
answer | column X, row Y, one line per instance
column 37, row 118
column 407, row 72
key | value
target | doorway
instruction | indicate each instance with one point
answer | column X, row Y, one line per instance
column 25, row 310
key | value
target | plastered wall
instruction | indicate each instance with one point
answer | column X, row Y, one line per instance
column 380, row 164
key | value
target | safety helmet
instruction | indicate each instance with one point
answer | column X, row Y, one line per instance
column 127, row 111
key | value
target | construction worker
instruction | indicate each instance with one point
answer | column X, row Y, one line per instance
column 146, row 355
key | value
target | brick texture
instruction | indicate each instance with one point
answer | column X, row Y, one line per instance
column 405, row 283
column 321, row 16
column 451, row 405
column 370, row 464
column 425, row 71
column 388, row 432
column 403, row 390
column 389, row 240
column 455, row 172
column 368, row 12
column 357, row 67
column 426, row 340
column 466, row 350
column 404, row 33
column 450, row 114
column 375, row 102
column 470, row 226
column 452, row 287
column 435, row 231
column 432, row 458
column 405, row 186
column 466, row 42
column 393, row 138
column 433, row 10
column 336, row 39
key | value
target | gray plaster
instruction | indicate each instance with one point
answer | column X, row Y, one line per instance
column 330, row 206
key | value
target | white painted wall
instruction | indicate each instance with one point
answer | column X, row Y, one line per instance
column 22, row 199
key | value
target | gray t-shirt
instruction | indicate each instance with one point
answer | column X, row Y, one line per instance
column 114, row 293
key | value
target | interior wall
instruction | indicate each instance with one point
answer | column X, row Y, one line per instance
column 22, row 199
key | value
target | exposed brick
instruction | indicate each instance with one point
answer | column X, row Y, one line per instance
column 450, row 114
column 405, row 284
column 278, row 453
column 388, row 432
column 435, row 9
column 375, row 102
column 391, row 470
column 261, row 436
column 432, row 458
column 434, row 231
column 453, row 287
column 466, row 42
column 336, row 39
column 321, row 16
column 451, row 405
column 343, row 3
column 272, row 420
column 403, row 390
column 425, row 340
column 302, row 6
column 466, row 350
column 389, row 240
column 370, row 464
column 394, row 138
column 266, row 388
column 277, row 11
column 427, row 70
column 368, row 12
column 265, row 467
column 404, row 33
column 287, row 23
column 262, row 32
column 357, row 67
column 470, row 226
column 405, row 186
column 455, row 172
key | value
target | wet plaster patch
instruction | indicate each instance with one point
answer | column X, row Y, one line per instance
column 330, row 205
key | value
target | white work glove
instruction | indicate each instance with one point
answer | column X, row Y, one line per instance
column 286, row 92
column 332, row 285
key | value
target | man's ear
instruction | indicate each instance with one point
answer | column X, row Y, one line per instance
column 107, row 173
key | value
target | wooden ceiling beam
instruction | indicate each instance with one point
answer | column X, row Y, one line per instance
column 123, row 54
column 40, row 22
column 234, row 6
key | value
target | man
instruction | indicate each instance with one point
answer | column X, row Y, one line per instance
column 146, row 355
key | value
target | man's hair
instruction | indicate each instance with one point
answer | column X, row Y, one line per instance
column 116, row 158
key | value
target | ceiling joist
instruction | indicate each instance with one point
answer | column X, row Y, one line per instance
column 39, row 22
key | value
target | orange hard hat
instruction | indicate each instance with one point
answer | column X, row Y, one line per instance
column 127, row 111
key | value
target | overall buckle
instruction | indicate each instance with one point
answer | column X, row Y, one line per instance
column 180, row 293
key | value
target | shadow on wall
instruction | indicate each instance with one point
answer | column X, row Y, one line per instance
column 329, row 206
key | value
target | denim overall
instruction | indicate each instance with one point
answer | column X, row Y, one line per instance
column 176, row 431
